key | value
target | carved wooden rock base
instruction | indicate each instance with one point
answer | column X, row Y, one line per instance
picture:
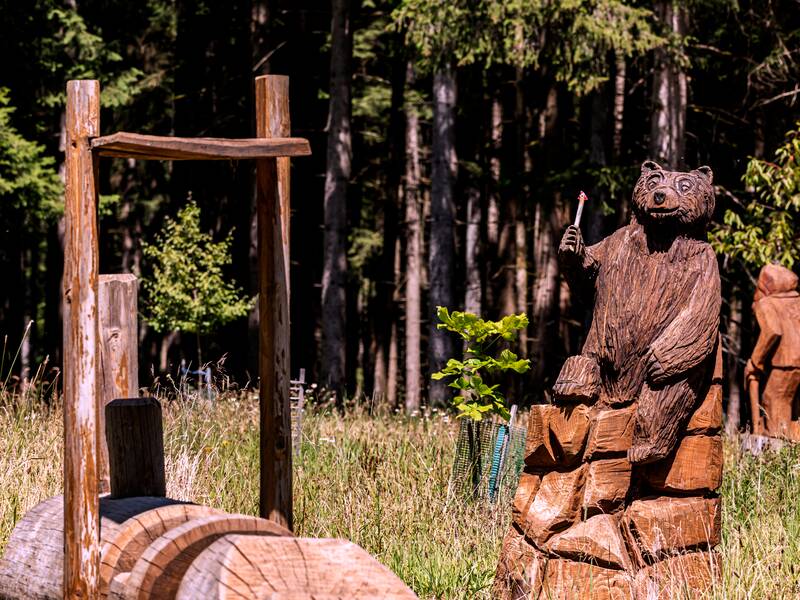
column 589, row 525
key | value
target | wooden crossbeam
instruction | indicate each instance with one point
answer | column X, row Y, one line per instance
column 156, row 147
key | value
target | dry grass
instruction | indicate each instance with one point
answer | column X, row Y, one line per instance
column 382, row 482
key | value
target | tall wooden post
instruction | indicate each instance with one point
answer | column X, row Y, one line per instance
column 81, row 510
column 272, row 200
column 119, row 355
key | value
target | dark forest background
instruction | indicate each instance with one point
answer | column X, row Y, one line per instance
column 449, row 139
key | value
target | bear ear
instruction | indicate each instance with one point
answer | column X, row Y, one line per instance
column 709, row 174
column 650, row 165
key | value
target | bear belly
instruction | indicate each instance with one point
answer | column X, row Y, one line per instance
column 626, row 324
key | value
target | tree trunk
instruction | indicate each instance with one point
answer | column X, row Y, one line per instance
column 442, row 250
column 472, row 252
column 337, row 175
column 668, row 120
column 733, row 417
column 620, row 70
column 413, row 223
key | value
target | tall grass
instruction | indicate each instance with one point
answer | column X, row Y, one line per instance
column 383, row 483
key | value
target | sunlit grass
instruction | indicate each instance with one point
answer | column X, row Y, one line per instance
column 382, row 482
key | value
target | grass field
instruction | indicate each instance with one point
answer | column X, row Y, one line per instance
column 382, row 483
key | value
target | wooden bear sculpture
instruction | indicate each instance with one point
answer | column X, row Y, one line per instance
column 618, row 496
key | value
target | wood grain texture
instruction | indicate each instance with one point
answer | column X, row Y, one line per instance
column 569, row 580
column 119, row 354
column 158, row 572
column 707, row 418
column 81, row 517
column 695, row 466
column 665, row 526
column 520, row 569
column 578, row 381
column 135, row 447
column 246, row 566
column 607, row 485
column 32, row 566
column 611, row 432
column 598, row 540
column 273, row 307
column 529, row 483
column 157, row 147
column 539, row 450
column 568, row 429
column 670, row 578
column 556, row 506
column 121, row 551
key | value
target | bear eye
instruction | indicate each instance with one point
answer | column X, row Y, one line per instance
column 653, row 181
column 684, row 185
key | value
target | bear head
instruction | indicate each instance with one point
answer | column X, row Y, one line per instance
column 682, row 199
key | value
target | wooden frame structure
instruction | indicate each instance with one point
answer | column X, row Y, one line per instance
column 272, row 149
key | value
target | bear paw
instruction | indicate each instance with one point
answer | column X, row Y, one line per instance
column 642, row 454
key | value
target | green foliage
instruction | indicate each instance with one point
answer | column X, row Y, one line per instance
column 476, row 398
column 188, row 290
column 573, row 38
column 768, row 228
column 28, row 178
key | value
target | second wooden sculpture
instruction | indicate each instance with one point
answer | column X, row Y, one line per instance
column 618, row 497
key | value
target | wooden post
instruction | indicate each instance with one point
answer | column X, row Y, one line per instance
column 135, row 447
column 272, row 200
column 81, row 510
column 119, row 360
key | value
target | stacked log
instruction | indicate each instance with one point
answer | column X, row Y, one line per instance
column 589, row 525
column 161, row 549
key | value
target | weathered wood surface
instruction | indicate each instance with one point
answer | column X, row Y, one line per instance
column 672, row 577
column 81, row 517
column 664, row 526
column 32, row 567
column 245, row 566
column 597, row 540
column 556, row 506
column 157, row 147
column 695, row 466
column 119, row 355
column 578, row 381
column 158, row 572
column 520, row 570
column 772, row 373
column 570, row 580
column 121, row 551
column 135, row 447
column 273, row 308
column 607, row 484
column 611, row 432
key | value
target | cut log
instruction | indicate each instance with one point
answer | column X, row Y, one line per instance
column 135, row 448
column 556, row 506
column 538, row 449
column 665, row 526
column 158, row 572
column 598, row 540
column 708, row 416
column 607, row 484
column 526, row 493
column 683, row 576
column 156, row 147
column 569, row 427
column 696, row 466
column 133, row 536
column 569, row 580
column 247, row 566
column 578, row 381
column 520, row 570
column 611, row 432
column 33, row 564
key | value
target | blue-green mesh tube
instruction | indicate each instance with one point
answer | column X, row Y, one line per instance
column 497, row 459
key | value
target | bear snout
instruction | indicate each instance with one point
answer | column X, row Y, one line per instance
column 663, row 201
column 659, row 198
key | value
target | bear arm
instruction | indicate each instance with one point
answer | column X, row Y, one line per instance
column 691, row 337
column 768, row 338
column 580, row 278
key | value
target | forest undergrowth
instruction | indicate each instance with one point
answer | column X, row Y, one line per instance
column 382, row 482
